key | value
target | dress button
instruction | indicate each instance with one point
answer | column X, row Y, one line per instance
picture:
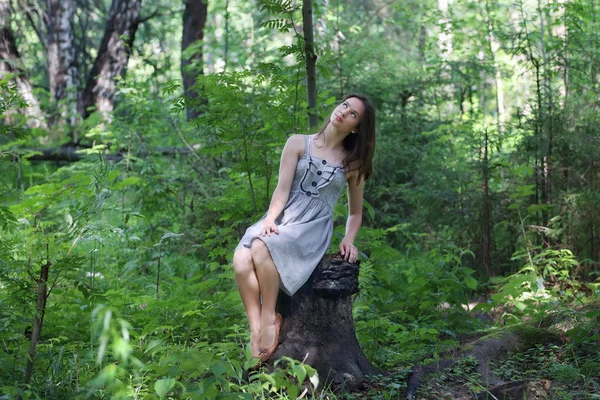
column 314, row 183
column 319, row 173
column 324, row 162
column 308, row 193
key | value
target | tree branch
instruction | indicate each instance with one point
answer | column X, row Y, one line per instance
column 157, row 13
column 42, row 17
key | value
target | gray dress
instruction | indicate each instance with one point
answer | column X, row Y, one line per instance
column 305, row 224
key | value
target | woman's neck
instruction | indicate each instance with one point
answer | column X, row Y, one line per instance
column 331, row 138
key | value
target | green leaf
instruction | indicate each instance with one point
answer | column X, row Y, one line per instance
column 300, row 373
column 471, row 282
column 520, row 305
column 314, row 378
column 125, row 182
column 171, row 235
column 218, row 369
column 163, row 386
column 292, row 391
column 269, row 379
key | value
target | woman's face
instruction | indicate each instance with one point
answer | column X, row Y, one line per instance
column 347, row 115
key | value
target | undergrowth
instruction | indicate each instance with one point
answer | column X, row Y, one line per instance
column 141, row 300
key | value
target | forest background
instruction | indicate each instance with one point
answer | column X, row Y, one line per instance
column 139, row 140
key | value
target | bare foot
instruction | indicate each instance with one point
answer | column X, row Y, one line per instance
column 267, row 330
column 255, row 343
column 268, row 352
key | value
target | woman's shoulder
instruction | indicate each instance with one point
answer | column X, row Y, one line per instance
column 295, row 144
column 297, row 138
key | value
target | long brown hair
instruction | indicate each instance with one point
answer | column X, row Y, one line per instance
column 360, row 145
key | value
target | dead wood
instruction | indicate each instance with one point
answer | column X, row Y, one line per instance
column 516, row 390
column 70, row 153
column 489, row 348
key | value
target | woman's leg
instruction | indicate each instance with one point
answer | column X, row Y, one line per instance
column 247, row 283
column 268, row 279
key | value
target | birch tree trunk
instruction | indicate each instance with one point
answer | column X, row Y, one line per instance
column 493, row 47
column 445, row 37
column 445, row 51
column 62, row 60
column 194, row 20
column 9, row 64
column 113, row 54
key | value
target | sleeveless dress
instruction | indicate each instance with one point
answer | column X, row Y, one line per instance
column 306, row 222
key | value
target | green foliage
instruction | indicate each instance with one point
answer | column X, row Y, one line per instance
column 142, row 301
column 409, row 300
column 10, row 100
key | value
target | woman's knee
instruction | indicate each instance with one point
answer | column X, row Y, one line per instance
column 242, row 261
column 260, row 251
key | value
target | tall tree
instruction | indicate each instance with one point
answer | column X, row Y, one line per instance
column 63, row 69
column 493, row 46
column 194, row 20
column 113, row 54
column 9, row 64
column 311, row 62
column 486, row 217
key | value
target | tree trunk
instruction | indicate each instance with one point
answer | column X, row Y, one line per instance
column 63, row 69
column 547, row 157
column 594, row 249
column 36, row 331
column 194, row 19
column 113, row 54
column 539, row 159
column 445, row 38
column 318, row 326
column 493, row 48
column 311, row 62
column 486, row 245
column 69, row 153
column 9, row 64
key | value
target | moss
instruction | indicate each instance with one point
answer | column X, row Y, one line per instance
column 532, row 335
column 527, row 335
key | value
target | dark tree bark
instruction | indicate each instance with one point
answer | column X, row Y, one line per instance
column 194, row 19
column 113, row 54
column 486, row 223
column 311, row 62
column 69, row 153
column 318, row 326
column 9, row 64
column 63, row 68
column 37, row 319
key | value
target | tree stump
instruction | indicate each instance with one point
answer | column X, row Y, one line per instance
column 318, row 327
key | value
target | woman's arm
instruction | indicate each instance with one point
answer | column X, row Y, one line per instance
column 294, row 147
column 355, row 197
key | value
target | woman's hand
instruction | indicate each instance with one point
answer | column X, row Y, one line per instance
column 348, row 251
column 268, row 228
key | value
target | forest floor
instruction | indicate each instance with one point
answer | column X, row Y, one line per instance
column 556, row 358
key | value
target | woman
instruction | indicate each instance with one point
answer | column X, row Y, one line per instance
column 283, row 248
